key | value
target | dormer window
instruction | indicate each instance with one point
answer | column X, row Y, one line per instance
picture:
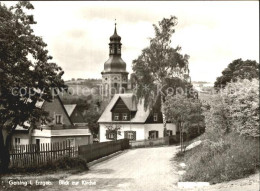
column 58, row 119
column 155, row 117
column 116, row 116
column 125, row 116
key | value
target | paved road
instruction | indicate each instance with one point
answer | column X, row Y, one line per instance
column 146, row 169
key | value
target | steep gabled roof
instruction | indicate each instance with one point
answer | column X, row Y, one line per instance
column 129, row 101
column 70, row 108
column 140, row 115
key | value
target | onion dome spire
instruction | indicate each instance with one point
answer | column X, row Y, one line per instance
column 115, row 37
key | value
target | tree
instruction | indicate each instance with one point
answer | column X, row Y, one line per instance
column 185, row 112
column 234, row 109
column 238, row 69
column 91, row 117
column 159, row 65
column 27, row 74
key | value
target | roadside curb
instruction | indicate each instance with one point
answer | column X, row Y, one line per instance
column 104, row 158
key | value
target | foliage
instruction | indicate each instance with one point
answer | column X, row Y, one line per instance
column 238, row 69
column 91, row 117
column 63, row 163
column 242, row 102
column 230, row 149
column 158, row 62
column 235, row 108
column 231, row 157
column 27, row 75
column 180, row 108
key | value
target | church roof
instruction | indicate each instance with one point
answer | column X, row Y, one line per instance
column 115, row 36
column 114, row 64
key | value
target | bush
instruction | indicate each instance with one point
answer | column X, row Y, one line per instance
column 231, row 157
column 63, row 163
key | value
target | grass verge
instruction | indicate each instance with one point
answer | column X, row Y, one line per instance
column 229, row 158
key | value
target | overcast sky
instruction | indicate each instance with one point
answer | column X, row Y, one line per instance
column 212, row 33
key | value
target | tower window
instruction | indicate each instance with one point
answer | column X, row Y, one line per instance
column 115, row 78
column 106, row 79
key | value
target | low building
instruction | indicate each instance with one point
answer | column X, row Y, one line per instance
column 134, row 121
column 60, row 129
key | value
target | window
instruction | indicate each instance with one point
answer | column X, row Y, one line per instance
column 169, row 132
column 17, row 141
column 153, row 134
column 116, row 116
column 125, row 116
column 58, row 119
column 155, row 117
column 131, row 135
column 119, row 50
column 111, row 135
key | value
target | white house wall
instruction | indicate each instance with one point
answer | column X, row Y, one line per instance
column 159, row 127
column 142, row 130
column 139, row 128
column 24, row 138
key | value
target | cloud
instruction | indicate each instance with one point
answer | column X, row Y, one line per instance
column 212, row 33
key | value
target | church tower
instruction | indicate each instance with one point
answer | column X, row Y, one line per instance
column 114, row 75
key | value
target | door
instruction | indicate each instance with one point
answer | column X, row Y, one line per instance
column 38, row 145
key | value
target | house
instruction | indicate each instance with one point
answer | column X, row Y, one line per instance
column 60, row 129
column 134, row 121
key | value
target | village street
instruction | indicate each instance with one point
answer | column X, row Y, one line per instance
column 138, row 169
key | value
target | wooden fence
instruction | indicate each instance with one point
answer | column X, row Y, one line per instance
column 33, row 155
column 98, row 150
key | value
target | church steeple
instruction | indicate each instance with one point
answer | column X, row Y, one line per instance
column 114, row 75
column 115, row 62
column 115, row 44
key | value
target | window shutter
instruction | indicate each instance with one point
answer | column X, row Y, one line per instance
column 157, row 134
column 115, row 135
column 134, row 132
column 107, row 134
